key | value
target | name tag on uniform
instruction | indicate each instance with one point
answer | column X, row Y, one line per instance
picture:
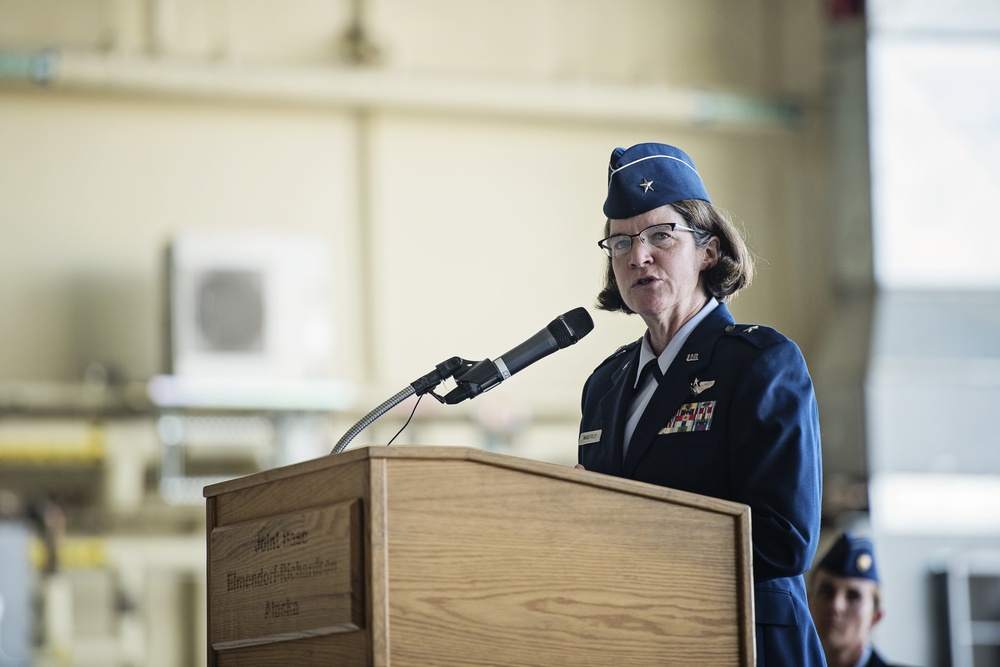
column 590, row 437
column 691, row 417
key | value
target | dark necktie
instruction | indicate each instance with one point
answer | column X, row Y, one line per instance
column 652, row 367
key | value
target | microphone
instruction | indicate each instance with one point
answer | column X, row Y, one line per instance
column 486, row 374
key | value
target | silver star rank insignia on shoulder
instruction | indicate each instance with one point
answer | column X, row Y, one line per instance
column 699, row 386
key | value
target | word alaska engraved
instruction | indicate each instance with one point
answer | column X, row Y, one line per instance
column 286, row 577
column 275, row 609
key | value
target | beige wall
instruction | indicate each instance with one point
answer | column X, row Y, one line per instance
column 460, row 220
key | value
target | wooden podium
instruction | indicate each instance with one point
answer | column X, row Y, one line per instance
column 417, row 556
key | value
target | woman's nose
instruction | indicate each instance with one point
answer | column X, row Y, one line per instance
column 640, row 252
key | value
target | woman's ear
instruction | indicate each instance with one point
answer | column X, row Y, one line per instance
column 711, row 252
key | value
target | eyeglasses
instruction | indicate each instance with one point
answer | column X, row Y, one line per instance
column 656, row 236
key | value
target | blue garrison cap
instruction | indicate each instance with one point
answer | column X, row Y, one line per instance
column 649, row 176
column 851, row 556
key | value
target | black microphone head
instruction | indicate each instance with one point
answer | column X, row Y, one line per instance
column 571, row 327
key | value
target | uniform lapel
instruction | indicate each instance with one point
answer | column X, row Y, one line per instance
column 614, row 407
column 675, row 389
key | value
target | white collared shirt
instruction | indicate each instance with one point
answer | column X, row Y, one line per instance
column 865, row 656
column 643, row 394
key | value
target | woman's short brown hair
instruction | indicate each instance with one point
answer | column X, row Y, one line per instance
column 731, row 273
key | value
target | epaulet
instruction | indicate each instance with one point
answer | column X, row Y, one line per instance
column 620, row 351
column 755, row 334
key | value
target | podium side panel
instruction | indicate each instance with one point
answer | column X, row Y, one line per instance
column 287, row 577
column 748, row 636
column 378, row 593
column 350, row 650
column 209, row 525
column 311, row 489
column 316, row 489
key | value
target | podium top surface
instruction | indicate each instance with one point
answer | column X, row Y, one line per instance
column 481, row 457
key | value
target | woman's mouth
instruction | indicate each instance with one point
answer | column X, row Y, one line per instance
column 642, row 282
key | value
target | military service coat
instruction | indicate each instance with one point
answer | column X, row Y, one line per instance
column 734, row 417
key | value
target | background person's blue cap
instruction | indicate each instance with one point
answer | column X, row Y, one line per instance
column 851, row 556
column 649, row 176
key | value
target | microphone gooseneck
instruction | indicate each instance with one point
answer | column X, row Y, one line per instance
column 370, row 418
column 475, row 378
column 420, row 386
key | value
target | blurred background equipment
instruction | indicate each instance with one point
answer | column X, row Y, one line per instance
column 252, row 340
column 17, row 586
column 254, row 305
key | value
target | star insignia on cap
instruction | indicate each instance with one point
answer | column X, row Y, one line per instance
column 646, row 185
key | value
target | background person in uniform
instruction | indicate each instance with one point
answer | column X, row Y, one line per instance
column 726, row 410
column 844, row 602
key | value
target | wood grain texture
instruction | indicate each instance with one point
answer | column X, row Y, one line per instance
column 210, row 503
column 476, row 558
column 282, row 491
column 378, row 567
column 489, row 567
column 343, row 650
column 286, row 577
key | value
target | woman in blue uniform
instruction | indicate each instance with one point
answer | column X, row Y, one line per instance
column 701, row 403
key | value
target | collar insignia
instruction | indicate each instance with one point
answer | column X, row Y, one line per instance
column 692, row 357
